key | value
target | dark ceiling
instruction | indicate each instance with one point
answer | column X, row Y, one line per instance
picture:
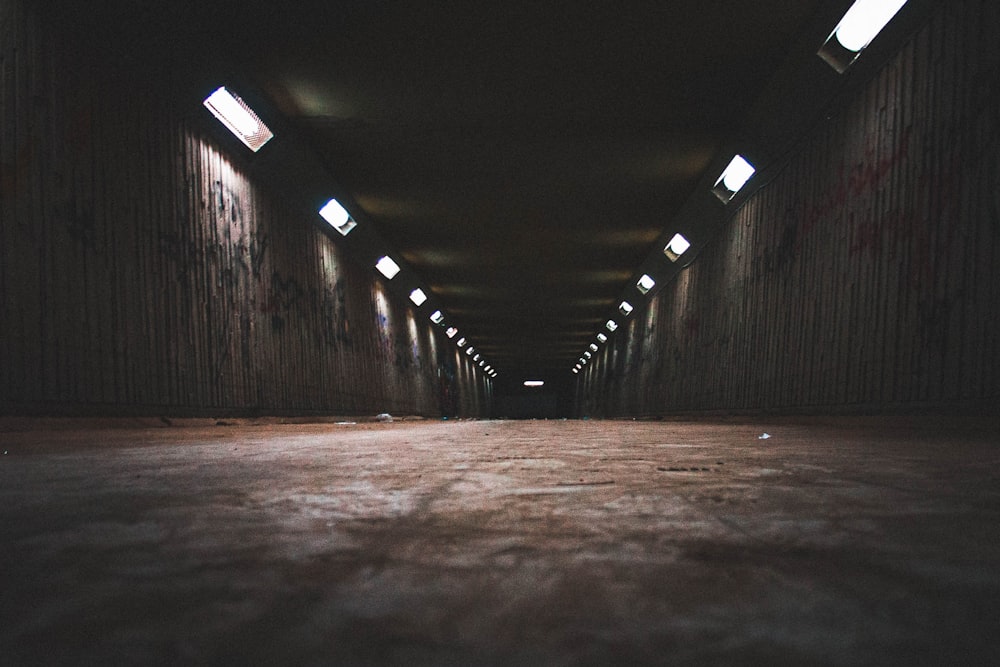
column 523, row 158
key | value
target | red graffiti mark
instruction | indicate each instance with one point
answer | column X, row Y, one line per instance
column 863, row 178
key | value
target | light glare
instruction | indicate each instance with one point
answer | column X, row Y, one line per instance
column 864, row 20
column 418, row 297
column 387, row 267
column 338, row 217
column 678, row 246
column 239, row 118
column 736, row 174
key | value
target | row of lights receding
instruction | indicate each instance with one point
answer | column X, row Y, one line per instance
column 855, row 31
column 237, row 116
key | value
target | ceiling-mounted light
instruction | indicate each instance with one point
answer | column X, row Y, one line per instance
column 625, row 308
column 461, row 342
column 860, row 25
column 593, row 347
column 338, row 217
column 733, row 178
column 418, row 297
column 576, row 371
column 451, row 332
column 475, row 358
column 470, row 350
column 437, row 317
column 387, row 267
column 678, row 246
column 482, row 363
column 645, row 284
column 534, row 383
column 588, row 354
column 488, row 368
column 241, row 120
column 611, row 325
column 602, row 338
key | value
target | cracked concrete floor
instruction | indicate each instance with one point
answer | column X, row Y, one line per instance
column 834, row 542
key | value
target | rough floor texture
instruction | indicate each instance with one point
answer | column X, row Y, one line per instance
column 837, row 542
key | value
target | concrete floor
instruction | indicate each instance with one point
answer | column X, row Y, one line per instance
column 834, row 542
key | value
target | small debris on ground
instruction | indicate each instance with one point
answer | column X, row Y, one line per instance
column 346, row 423
column 385, row 417
column 764, row 436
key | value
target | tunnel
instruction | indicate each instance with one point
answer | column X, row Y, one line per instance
column 537, row 333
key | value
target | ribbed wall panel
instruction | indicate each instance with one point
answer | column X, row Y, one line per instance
column 144, row 272
column 863, row 276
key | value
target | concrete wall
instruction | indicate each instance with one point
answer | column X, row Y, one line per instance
column 142, row 270
column 862, row 276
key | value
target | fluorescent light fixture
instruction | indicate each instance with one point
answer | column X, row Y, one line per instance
column 241, row 120
column 611, row 325
column 461, row 342
column 601, row 338
column 418, row 297
column 488, row 369
column 534, row 383
column 860, row 25
column 338, row 217
column 593, row 347
column 583, row 361
column 588, row 354
column 733, row 178
column 470, row 350
column 646, row 283
column 576, row 371
column 678, row 246
column 625, row 308
column 475, row 358
column 437, row 317
column 451, row 332
column 482, row 363
column 387, row 267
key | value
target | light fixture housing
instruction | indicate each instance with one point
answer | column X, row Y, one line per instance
column 387, row 267
column 678, row 246
column 418, row 297
column 601, row 338
column 470, row 350
column 461, row 342
column 860, row 25
column 625, row 308
column 611, row 325
column 645, row 284
column 733, row 178
column 437, row 317
column 451, row 332
column 338, row 217
column 593, row 347
column 588, row 354
column 238, row 118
